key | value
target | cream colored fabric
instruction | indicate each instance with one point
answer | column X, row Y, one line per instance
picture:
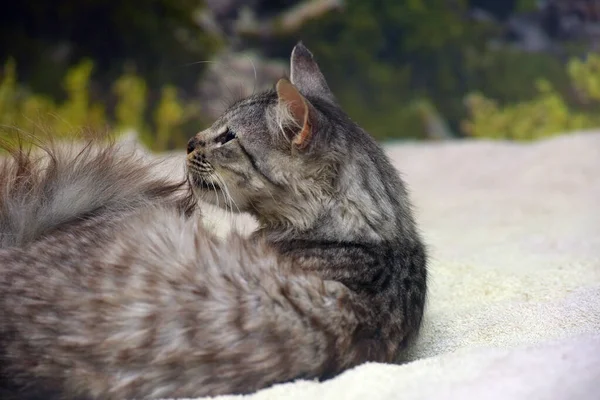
column 514, row 292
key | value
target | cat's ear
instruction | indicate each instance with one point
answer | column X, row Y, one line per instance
column 306, row 75
column 293, row 105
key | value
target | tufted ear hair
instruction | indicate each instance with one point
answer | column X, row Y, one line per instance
column 294, row 114
column 306, row 75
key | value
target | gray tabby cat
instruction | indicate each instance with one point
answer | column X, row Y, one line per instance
column 111, row 289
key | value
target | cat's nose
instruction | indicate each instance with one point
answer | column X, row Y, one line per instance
column 194, row 143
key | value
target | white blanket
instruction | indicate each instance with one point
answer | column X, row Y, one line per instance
column 514, row 290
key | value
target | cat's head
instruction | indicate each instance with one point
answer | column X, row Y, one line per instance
column 286, row 155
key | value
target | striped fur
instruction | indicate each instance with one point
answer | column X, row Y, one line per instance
column 110, row 288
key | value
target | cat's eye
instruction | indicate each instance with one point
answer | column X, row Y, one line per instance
column 226, row 136
column 230, row 135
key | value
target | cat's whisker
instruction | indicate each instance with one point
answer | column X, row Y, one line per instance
column 216, row 193
column 226, row 191
column 225, row 197
column 230, row 95
column 228, row 197
column 233, row 201
column 255, row 74
column 201, row 62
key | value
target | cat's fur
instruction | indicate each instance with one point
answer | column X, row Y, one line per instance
column 111, row 289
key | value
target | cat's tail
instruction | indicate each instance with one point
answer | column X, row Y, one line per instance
column 48, row 184
column 172, row 312
column 169, row 310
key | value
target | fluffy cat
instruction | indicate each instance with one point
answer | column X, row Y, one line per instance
column 111, row 289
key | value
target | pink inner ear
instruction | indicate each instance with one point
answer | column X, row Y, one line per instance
column 298, row 108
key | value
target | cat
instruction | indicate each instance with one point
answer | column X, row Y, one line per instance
column 110, row 288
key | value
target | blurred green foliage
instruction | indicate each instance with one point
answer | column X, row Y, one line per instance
column 383, row 57
column 526, row 5
column 100, row 64
column 158, row 36
column 395, row 66
column 586, row 76
column 548, row 113
column 29, row 112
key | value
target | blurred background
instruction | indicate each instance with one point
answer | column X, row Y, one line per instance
column 413, row 69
